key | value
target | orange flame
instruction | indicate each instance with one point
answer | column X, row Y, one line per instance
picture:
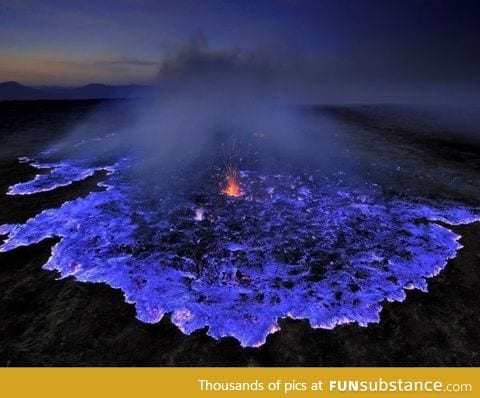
column 232, row 188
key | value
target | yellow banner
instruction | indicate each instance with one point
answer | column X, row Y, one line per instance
column 240, row 382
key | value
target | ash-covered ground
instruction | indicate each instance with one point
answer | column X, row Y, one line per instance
column 333, row 247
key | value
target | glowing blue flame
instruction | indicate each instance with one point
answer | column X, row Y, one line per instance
column 365, row 248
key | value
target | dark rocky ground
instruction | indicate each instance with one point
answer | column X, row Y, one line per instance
column 44, row 321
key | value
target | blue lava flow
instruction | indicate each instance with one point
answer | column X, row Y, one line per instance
column 305, row 247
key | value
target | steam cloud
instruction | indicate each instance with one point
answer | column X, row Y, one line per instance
column 203, row 101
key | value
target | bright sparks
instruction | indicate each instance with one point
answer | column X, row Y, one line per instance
column 232, row 188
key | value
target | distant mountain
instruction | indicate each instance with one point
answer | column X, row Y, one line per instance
column 15, row 91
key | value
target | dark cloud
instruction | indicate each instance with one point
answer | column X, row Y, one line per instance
column 309, row 51
column 127, row 61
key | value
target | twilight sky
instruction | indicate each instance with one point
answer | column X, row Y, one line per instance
column 373, row 46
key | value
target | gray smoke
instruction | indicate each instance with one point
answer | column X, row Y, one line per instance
column 204, row 100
